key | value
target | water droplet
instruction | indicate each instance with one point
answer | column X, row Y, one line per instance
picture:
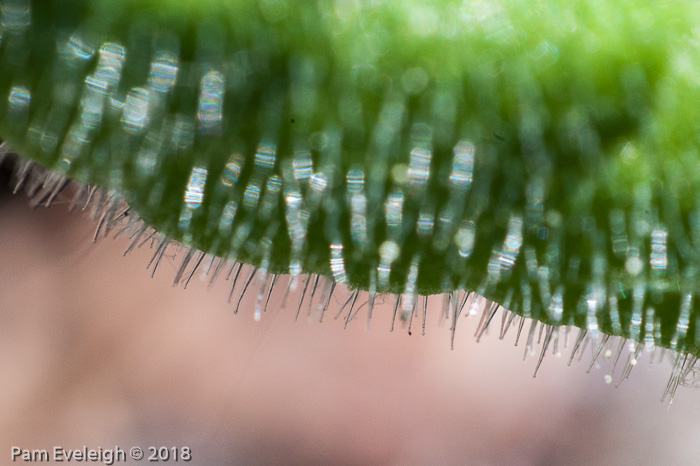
column 526, row 293
column 464, row 239
column 77, row 47
column 227, row 217
column 462, row 173
column 425, row 223
column 618, row 232
column 393, row 208
column 15, row 15
column 337, row 263
column 318, row 182
column 414, row 80
column 71, row 148
column 649, row 329
column 265, row 156
column 545, row 55
column 683, row 320
column 418, row 171
column 410, row 288
column 355, row 180
column 303, row 166
column 474, row 305
column 135, row 116
column 592, row 305
column 658, row 258
column 163, row 74
column 512, row 244
column 636, row 319
column 490, row 18
column 92, row 108
column 614, row 313
column 556, row 304
column 183, row 132
column 232, row 170
column 634, row 264
column 109, row 68
column 388, row 253
column 273, row 188
column 534, row 210
column 544, row 276
column 297, row 217
column 19, row 99
column 194, row 195
column 211, row 103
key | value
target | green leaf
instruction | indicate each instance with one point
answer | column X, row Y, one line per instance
column 543, row 154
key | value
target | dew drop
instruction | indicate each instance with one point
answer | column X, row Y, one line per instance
column 649, row 329
column 163, row 74
column 388, row 253
column 393, row 208
column 355, row 181
column 591, row 319
column 614, row 313
column 556, row 304
column 77, row 47
column 464, row 239
column 135, row 116
column 418, row 171
column 462, row 173
column 636, row 319
column 414, row 80
column 474, row 305
column 658, row 258
column 194, row 195
column 410, row 288
column 183, row 132
column 358, row 219
column 251, row 195
column 512, row 244
column 232, row 170
column 15, row 15
column 265, row 156
column 618, row 233
column 337, row 263
column 270, row 199
column 318, row 182
column 109, row 67
column 211, row 103
column 302, row 166
column 19, row 97
column 425, row 223
column 227, row 217
column 634, row 264
column 683, row 320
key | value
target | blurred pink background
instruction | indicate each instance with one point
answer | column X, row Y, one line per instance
column 94, row 352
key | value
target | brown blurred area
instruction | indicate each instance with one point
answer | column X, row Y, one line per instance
column 94, row 352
